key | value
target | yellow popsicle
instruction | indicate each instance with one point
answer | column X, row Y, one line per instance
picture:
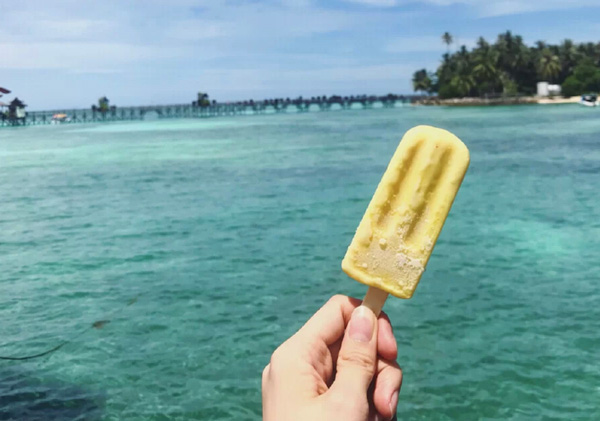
column 396, row 235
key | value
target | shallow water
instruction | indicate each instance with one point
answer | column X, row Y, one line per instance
column 232, row 230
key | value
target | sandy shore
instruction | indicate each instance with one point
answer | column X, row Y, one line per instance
column 559, row 100
column 497, row 101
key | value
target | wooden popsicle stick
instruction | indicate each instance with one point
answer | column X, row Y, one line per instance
column 375, row 299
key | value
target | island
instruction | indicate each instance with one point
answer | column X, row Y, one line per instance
column 509, row 71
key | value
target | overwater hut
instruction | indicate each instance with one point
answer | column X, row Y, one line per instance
column 104, row 107
column 202, row 101
column 16, row 111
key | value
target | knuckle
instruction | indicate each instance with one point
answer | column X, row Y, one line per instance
column 276, row 358
column 265, row 373
column 336, row 299
column 393, row 372
column 397, row 368
column 280, row 358
column 396, row 377
column 357, row 359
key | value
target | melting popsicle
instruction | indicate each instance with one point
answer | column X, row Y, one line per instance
column 397, row 233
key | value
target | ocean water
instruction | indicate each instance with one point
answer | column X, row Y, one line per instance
column 230, row 233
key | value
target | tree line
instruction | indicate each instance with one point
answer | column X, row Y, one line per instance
column 510, row 67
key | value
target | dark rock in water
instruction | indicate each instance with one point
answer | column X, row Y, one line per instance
column 100, row 324
column 29, row 396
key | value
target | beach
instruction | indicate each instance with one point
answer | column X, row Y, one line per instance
column 229, row 233
column 517, row 100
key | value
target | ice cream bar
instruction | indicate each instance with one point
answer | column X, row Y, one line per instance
column 397, row 233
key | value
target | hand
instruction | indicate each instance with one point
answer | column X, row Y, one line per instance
column 341, row 365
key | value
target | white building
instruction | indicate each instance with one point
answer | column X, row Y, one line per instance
column 546, row 89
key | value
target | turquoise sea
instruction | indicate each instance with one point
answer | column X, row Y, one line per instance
column 230, row 233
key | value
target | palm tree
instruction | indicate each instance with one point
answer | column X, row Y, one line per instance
column 568, row 56
column 421, row 81
column 509, row 65
column 512, row 52
column 447, row 39
column 509, row 86
column 482, row 44
column 548, row 65
column 462, row 84
column 520, row 53
column 486, row 65
column 463, row 60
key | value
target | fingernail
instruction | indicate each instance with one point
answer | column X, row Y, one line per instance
column 394, row 403
column 361, row 324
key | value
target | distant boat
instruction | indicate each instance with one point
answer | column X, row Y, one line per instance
column 60, row 118
column 589, row 100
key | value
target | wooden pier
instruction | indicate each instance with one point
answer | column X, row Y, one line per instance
column 214, row 109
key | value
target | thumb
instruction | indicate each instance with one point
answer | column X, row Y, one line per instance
column 358, row 355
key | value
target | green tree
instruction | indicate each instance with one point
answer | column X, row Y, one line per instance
column 462, row 84
column 568, row 56
column 548, row 65
column 463, row 60
column 523, row 71
column 485, row 69
column 589, row 50
column 448, row 40
column 571, row 87
column 510, row 66
column 421, row 81
column 508, row 49
column 509, row 86
column 588, row 74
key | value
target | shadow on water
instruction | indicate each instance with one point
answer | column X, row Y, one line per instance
column 29, row 396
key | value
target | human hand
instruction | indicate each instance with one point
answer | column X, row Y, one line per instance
column 341, row 365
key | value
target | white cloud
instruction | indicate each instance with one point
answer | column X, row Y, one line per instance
column 512, row 7
column 67, row 34
column 265, row 22
column 490, row 8
column 80, row 57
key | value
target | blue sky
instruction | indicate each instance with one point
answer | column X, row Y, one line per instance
column 63, row 53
